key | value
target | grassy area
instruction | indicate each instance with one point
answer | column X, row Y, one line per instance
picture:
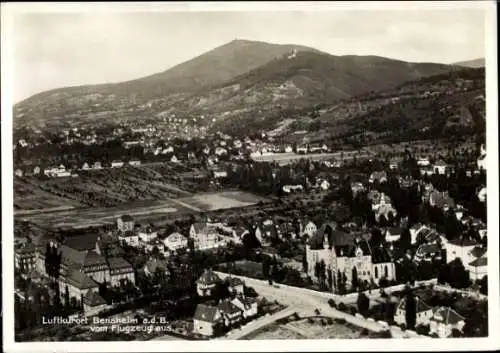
column 310, row 328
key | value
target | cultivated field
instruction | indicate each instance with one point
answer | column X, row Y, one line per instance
column 142, row 211
column 28, row 196
column 288, row 158
column 109, row 187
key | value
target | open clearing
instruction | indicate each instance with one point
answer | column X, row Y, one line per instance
column 222, row 200
column 142, row 211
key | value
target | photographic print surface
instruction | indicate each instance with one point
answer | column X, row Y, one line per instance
column 198, row 175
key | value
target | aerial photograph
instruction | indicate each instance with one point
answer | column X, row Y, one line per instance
column 249, row 175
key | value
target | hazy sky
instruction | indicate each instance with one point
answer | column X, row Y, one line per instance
column 62, row 49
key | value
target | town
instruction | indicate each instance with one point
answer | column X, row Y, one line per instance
column 176, row 178
column 361, row 236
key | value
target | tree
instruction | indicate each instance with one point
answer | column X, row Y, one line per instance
column 483, row 285
column 458, row 276
column 66, row 297
column 376, row 238
column 330, row 279
column 405, row 239
column 354, row 280
column 363, row 303
column 410, row 310
column 339, row 281
column 304, row 263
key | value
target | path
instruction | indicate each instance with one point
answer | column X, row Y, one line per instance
column 254, row 325
column 305, row 302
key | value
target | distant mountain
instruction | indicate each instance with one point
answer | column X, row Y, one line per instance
column 237, row 78
column 476, row 63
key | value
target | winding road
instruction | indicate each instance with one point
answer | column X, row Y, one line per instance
column 305, row 304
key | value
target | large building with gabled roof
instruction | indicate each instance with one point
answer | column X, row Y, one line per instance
column 341, row 252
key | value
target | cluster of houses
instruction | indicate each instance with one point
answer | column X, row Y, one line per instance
column 228, row 312
column 83, row 268
column 441, row 320
column 204, row 235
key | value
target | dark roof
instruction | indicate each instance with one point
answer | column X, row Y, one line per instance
column 478, row 251
column 428, row 249
column 482, row 261
column 206, row 313
column 420, row 305
column 118, row 262
column 380, row 254
column 26, row 248
column 80, row 280
column 227, row 307
column 82, row 242
column 126, row 218
column 335, row 237
column 463, row 241
column 93, row 299
column 199, row 227
column 395, row 230
column 234, row 281
column 208, row 277
column 94, row 259
column 447, row 315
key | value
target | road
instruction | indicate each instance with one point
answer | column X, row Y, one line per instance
column 305, row 304
column 253, row 326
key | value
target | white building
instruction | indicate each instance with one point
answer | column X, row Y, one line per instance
column 175, row 241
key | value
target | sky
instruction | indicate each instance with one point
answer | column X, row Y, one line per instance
column 52, row 50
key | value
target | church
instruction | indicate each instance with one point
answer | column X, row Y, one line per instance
column 342, row 252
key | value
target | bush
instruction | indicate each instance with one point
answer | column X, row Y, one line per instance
column 331, row 302
column 422, row 330
column 329, row 321
column 364, row 332
column 353, row 311
column 310, row 320
column 323, row 322
column 386, row 334
column 403, row 327
column 342, row 307
column 340, row 321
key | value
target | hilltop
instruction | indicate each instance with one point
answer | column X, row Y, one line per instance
column 240, row 79
column 476, row 63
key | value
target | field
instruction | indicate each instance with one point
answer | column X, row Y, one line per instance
column 288, row 158
column 30, row 196
column 110, row 187
column 142, row 211
column 222, row 200
column 303, row 329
